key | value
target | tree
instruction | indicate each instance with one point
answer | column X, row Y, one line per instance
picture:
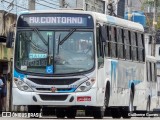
column 149, row 6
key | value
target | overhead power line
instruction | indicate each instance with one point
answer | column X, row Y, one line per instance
column 14, row 4
column 45, row 5
column 51, row 3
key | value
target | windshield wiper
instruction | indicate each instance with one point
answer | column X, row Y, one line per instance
column 59, row 38
column 67, row 36
column 40, row 36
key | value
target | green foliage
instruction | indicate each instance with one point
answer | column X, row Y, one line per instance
column 150, row 3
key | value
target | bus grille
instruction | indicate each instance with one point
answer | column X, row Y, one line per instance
column 54, row 97
column 64, row 81
column 58, row 89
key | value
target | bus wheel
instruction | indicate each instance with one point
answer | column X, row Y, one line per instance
column 131, row 102
column 148, row 105
column 34, row 109
column 107, row 95
column 98, row 113
column 60, row 113
column 71, row 113
column 115, row 112
column 125, row 112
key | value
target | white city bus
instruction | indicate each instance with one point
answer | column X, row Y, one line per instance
column 72, row 59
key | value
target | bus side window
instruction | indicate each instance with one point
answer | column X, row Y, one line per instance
column 140, row 48
column 127, row 45
column 120, row 43
column 116, row 42
column 107, row 44
column 113, row 42
column 136, row 38
column 143, row 49
column 147, row 71
column 153, row 72
column 150, row 71
column 99, row 48
column 134, row 46
column 130, row 45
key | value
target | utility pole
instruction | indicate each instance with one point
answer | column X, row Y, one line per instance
column 154, row 28
column 62, row 3
column 31, row 4
column 129, row 10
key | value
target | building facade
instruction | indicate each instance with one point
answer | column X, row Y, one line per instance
column 6, row 54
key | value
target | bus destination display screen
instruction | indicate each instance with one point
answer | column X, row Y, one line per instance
column 53, row 20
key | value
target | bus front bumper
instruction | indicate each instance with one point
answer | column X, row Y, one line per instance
column 87, row 98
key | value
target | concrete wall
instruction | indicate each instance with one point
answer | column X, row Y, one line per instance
column 5, row 53
column 6, row 20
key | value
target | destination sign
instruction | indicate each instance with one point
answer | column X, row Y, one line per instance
column 51, row 20
column 57, row 20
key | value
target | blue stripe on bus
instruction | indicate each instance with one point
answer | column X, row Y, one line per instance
column 135, row 82
column 19, row 75
column 113, row 73
column 67, row 91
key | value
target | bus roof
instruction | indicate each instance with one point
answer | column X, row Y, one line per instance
column 111, row 20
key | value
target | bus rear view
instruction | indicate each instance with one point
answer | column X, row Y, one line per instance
column 54, row 62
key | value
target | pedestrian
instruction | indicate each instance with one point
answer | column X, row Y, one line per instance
column 1, row 86
column 4, row 92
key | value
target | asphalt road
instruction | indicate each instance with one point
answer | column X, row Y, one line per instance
column 79, row 118
column 26, row 116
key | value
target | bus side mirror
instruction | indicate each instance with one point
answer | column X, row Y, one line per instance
column 9, row 40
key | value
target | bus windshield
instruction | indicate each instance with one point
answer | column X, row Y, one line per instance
column 54, row 51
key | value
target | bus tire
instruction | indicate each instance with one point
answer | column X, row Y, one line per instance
column 71, row 113
column 131, row 102
column 125, row 113
column 107, row 95
column 60, row 113
column 98, row 113
column 115, row 113
column 148, row 106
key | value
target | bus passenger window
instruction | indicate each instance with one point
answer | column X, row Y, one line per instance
column 107, row 45
column 153, row 73
column 150, row 70
column 113, row 42
column 99, row 48
column 140, row 48
column 143, row 49
column 120, row 43
column 134, row 46
column 147, row 71
column 127, row 45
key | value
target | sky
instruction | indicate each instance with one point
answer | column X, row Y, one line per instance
column 22, row 5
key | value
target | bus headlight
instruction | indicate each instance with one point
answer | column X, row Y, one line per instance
column 86, row 85
column 22, row 85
